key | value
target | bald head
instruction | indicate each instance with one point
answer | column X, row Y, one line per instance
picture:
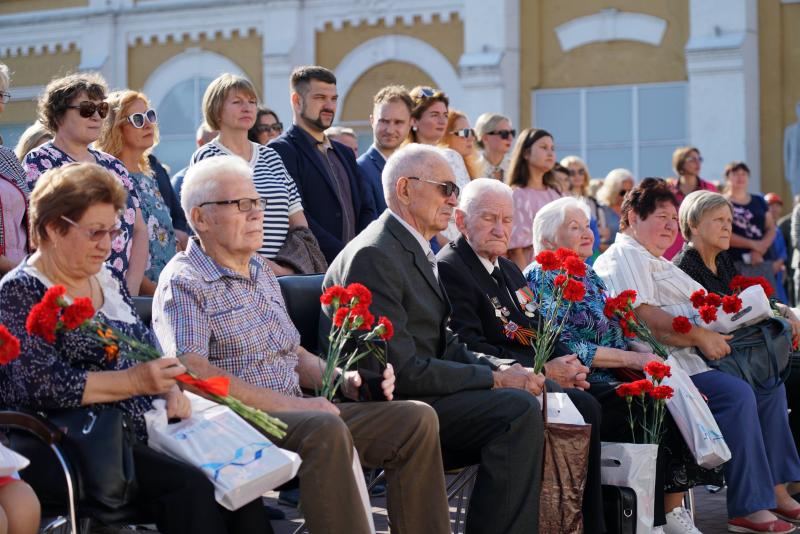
column 418, row 160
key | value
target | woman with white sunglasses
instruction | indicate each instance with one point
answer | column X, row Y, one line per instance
column 461, row 138
column 129, row 133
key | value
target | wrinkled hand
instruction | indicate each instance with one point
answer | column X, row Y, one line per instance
column 178, row 404
column 519, row 377
column 795, row 324
column 756, row 258
column 352, row 381
column 639, row 359
column 714, row 346
column 156, row 377
column 387, row 384
column 568, row 372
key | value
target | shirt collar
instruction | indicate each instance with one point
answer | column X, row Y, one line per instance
column 624, row 240
column 426, row 245
column 488, row 265
column 378, row 152
column 212, row 271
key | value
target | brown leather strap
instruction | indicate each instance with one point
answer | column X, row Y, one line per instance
column 32, row 423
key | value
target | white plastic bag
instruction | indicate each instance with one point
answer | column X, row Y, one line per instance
column 11, row 462
column 755, row 308
column 632, row 466
column 240, row 462
column 561, row 409
column 695, row 421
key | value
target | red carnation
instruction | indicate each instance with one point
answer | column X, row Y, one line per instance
column 560, row 280
column 9, row 346
column 698, row 298
column 662, row 392
column 340, row 316
column 611, row 307
column 575, row 266
column 708, row 313
column 657, row 370
column 361, row 317
column 548, row 260
column 681, row 325
column 53, row 295
column 574, row 290
column 564, row 253
column 42, row 321
column 626, row 296
column 768, row 289
column 640, row 387
column 77, row 313
column 625, row 390
column 336, row 295
column 386, row 328
column 731, row 304
column 360, row 293
column 713, row 300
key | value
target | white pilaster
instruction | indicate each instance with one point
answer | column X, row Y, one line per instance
column 280, row 36
column 490, row 65
column 722, row 64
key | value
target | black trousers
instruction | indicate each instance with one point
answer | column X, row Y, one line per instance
column 180, row 499
column 502, row 431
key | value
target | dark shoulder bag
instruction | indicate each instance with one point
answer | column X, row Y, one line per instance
column 759, row 354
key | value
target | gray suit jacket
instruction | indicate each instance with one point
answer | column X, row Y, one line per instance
column 428, row 358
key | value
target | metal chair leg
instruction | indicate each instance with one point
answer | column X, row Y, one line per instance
column 688, row 502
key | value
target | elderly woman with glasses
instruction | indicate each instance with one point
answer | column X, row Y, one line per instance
column 686, row 162
column 129, row 133
column 267, row 127
column 73, row 109
column 74, row 214
column 494, row 136
column 754, row 425
column 230, row 106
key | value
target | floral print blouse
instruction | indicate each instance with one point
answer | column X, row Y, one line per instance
column 587, row 328
column 48, row 156
column 160, row 231
column 49, row 377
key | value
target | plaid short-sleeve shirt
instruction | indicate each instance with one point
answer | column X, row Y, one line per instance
column 239, row 323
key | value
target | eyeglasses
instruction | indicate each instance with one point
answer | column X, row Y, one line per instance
column 466, row 133
column 578, row 172
column 137, row 119
column 277, row 128
column 623, row 192
column 504, row 134
column 447, row 188
column 244, row 204
column 4, row 97
column 697, row 159
column 87, row 109
column 96, row 234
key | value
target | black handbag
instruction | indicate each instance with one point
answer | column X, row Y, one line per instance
column 619, row 504
column 99, row 443
column 759, row 354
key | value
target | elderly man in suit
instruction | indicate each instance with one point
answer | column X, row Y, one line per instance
column 482, row 287
column 336, row 198
column 391, row 121
column 488, row 413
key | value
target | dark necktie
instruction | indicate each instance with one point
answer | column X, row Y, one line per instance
column 498, row 277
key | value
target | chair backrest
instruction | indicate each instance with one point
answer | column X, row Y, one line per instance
column 144, row 307
column 302, row 293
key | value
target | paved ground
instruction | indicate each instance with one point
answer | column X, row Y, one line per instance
column 710, row 514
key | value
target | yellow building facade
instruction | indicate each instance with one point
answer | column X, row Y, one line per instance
column 619, row 82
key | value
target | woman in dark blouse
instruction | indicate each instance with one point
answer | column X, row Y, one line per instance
column 74, row 216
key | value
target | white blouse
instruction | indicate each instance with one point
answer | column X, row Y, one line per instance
column 658, row 282
column 459, row 168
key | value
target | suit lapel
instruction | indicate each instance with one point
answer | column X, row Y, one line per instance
column 377, row 159
column 413, row 247
column 312, row 154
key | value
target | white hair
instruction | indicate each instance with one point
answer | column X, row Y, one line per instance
column 479, row 189
column 612, row 185
column 550, row 218
column 5, row 77
column 203, row 179
column 414, row 159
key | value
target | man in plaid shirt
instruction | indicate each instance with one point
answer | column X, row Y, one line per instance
column 219, row 307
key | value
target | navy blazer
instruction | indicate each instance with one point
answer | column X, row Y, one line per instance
column 320, row 202
column 372, row 163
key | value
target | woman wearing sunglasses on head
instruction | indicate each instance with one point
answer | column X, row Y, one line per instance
column 461, row 138
column 267, row 127
column 494, row 136
column 130, row 133
column 72, row 108
column 615, row 186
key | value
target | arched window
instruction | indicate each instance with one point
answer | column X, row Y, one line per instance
column 179, row 115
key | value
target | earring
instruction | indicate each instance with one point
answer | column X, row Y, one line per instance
column 413, row 128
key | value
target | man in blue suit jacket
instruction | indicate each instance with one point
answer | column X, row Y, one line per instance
column 391, row 120
column 336, row 198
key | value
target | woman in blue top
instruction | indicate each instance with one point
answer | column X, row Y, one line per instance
column 73, row 109
column 600, row 345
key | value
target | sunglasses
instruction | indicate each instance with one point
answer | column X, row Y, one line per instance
column 87, row 109
column 96, row 234
column 244, row 204
column 466, row 133
column 137, row 119
column 4, row 97
column 579, row 172
column 623, row 192
column 428, row 92
column 447, row 188
column 698, row 159
column 277, row 128
column 504, row 134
